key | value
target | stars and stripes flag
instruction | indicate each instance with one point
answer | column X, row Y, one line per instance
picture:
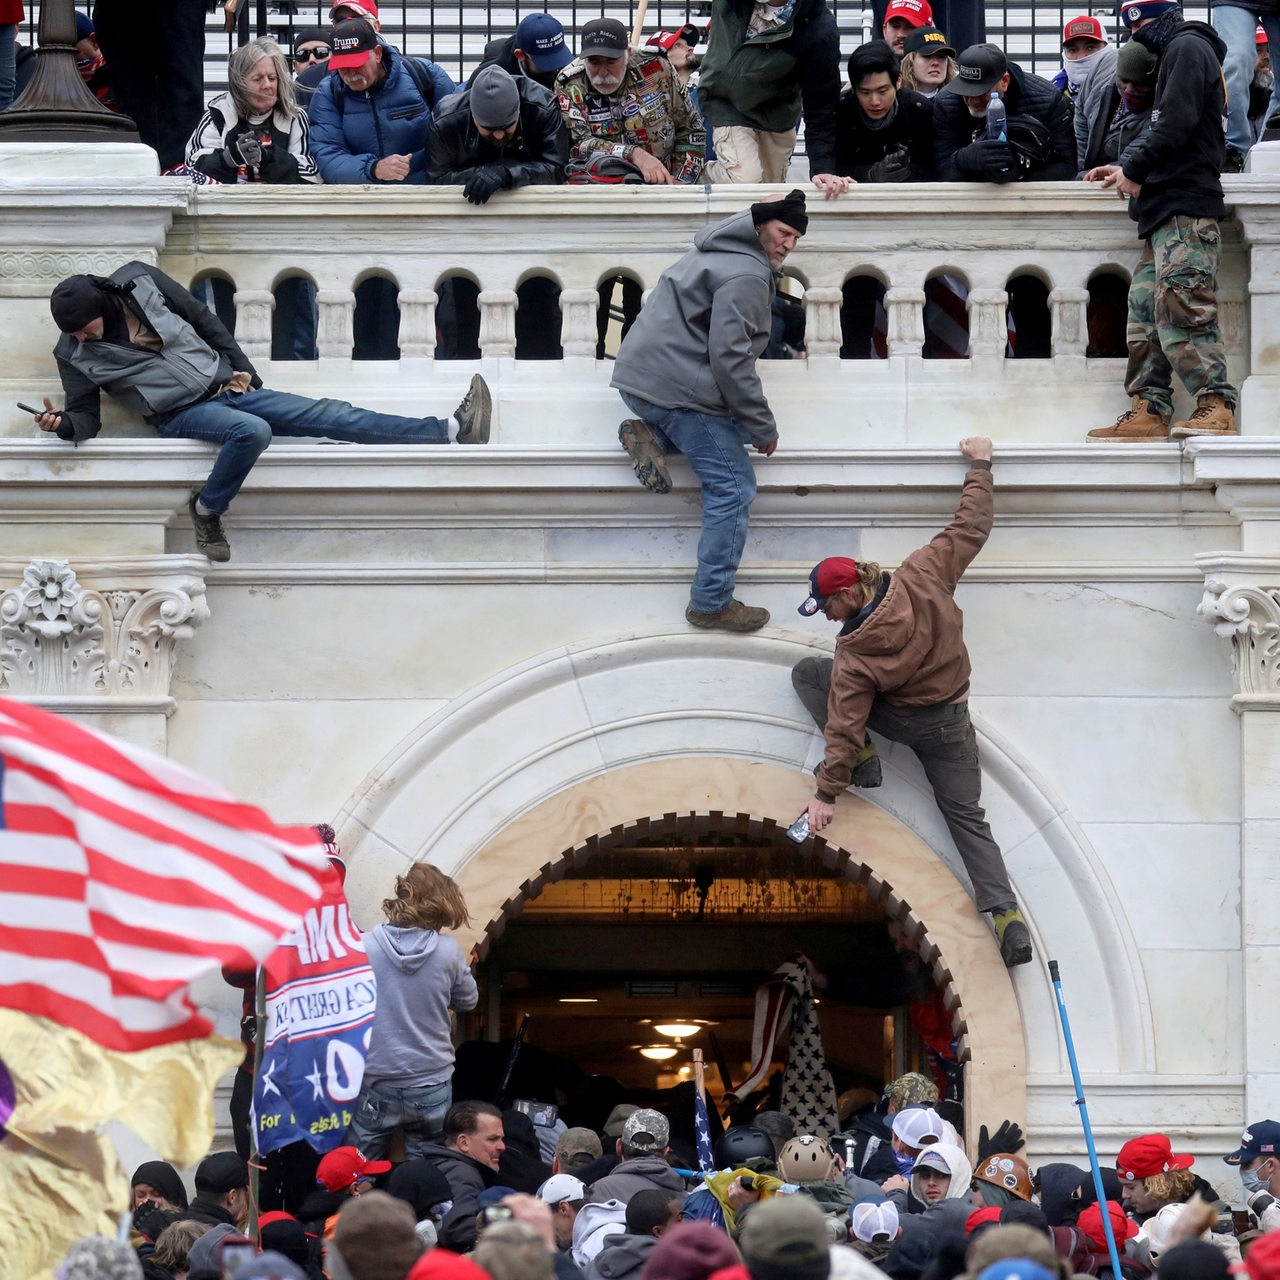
column 702, row 1131
column 123, row 877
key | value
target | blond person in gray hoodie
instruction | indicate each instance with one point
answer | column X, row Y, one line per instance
column 422, row 977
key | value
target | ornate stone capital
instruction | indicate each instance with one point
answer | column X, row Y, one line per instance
column 111, row 636
column 1241, row 603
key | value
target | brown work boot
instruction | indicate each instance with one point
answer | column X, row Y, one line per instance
column 1141, row 422
column 1211, row 418
column 735, row 616
column 647, row 459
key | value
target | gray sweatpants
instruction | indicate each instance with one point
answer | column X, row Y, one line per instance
column 945, row 744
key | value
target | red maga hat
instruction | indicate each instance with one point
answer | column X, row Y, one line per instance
column 1146, row 1156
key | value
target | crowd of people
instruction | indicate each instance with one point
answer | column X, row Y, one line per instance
column 898, row 1193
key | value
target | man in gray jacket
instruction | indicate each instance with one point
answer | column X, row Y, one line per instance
column 687, row 369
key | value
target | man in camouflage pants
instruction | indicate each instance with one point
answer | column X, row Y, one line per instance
column 1170, row 176
column 630, row 105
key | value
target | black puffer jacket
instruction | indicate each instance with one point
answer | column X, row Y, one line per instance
column 858, row 146
column 536, row 156
column 1178, row 158
column 1027, row 95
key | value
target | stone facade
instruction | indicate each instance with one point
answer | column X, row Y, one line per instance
column 478, row 656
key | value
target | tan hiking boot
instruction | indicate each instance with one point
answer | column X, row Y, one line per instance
column 647, row 459
column 735, row 616
column 1141, row 422
column 1211, row 418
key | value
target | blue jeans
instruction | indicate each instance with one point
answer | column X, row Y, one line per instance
column 245, row 424
column 1238, row 28
column 381, row 1109
column 8, row 63
column 717, row 452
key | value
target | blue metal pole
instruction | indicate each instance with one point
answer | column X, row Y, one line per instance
column 1084, row 1120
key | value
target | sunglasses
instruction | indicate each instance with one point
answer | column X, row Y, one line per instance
column 317, row 53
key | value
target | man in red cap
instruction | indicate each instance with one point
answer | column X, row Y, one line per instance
column 345, row 1169
column 902, row 669
column 901, row 18
column 1152, row 1176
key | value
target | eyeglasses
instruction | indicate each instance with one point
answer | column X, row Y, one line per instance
column 316, row 53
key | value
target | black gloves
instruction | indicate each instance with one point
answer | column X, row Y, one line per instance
column 245, row 149
column 895, row 167
column 1008, row 1139
column 484, row 181
column 987, row 160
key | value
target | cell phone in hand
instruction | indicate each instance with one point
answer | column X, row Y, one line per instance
column 26, row 408
column 543, row 1114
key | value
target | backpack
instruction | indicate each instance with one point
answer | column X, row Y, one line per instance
column 601, row 167
column 422, row 81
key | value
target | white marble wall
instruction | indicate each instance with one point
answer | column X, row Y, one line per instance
column 429, row 644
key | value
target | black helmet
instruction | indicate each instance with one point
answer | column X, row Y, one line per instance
column 737, row 1147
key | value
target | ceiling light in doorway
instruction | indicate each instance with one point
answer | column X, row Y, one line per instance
column 677, row 1030
column 578, row 1000
column 658, row 1052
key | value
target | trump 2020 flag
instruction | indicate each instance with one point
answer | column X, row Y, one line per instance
column 123, row 877
column 320, row 998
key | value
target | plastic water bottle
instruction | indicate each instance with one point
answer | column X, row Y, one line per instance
column 997, row 119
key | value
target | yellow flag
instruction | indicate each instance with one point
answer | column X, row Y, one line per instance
column 57, row 1166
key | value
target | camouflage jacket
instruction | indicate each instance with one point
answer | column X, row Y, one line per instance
column 649, row 109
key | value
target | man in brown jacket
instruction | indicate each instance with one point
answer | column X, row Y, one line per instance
column 901, row 668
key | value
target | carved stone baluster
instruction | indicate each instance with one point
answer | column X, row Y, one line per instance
column 253, row 322
column 905, row 309
column 418, row 322
column 497, row 322
column 334, row 333
column 1069, row 310
column 578, row 311
column 988, row 326
column 822, row 334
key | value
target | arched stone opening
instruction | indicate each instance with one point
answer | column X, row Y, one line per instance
column 679, row 918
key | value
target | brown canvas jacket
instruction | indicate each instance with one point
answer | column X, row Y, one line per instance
column 911, row 649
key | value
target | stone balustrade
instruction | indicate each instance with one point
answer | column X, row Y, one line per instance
column 899, row 239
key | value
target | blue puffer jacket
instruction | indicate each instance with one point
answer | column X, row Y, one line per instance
column 351, row 131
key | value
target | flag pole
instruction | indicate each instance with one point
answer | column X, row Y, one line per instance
column 1084, row 1120
column 255, row 1157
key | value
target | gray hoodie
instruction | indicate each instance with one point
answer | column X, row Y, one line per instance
column 640, row 1173
column 621, row 1257
column 421, row 975
column 696, row 342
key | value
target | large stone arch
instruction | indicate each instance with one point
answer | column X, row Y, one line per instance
column 506, row 780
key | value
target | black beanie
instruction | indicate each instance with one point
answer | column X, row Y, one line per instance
column 790, row 209
column 159, row 1174
column 75, row 302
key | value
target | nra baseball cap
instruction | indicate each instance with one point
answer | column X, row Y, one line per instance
column 540, row 37
column 978, row 70
column 1084, row 27
column 1260, row 1139
column 916, row 12
column 352, row 42
column 603, row 38
column 928, row 40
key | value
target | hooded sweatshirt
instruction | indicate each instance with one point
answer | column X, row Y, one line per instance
column 696, row 342
column 640, row 1173
column 621, row 1257
column 594, row 1225
column 421, row 975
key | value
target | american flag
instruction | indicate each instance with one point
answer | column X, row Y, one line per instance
column 123, row 877
column 702, row 1131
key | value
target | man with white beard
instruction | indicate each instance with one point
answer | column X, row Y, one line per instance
column 629, row 105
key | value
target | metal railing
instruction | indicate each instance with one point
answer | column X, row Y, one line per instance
column 454, row 33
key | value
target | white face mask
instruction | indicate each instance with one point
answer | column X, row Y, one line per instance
column 1078, row 71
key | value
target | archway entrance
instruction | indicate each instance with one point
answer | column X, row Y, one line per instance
column 653, row 939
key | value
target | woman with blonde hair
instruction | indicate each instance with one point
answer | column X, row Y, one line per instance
column 255, row 132
column 422, row 977
column 928, row 61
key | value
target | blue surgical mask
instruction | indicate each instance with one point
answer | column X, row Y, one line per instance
column 1251, row 1182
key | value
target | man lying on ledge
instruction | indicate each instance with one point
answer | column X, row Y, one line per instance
column 140, row 336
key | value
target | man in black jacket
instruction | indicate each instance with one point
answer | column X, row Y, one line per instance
column 1040, row 145
column 503, row 132
column 537, row 50
column 469, row 1159
column 140, row 336
column 1169, row 174
column 884, row 133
